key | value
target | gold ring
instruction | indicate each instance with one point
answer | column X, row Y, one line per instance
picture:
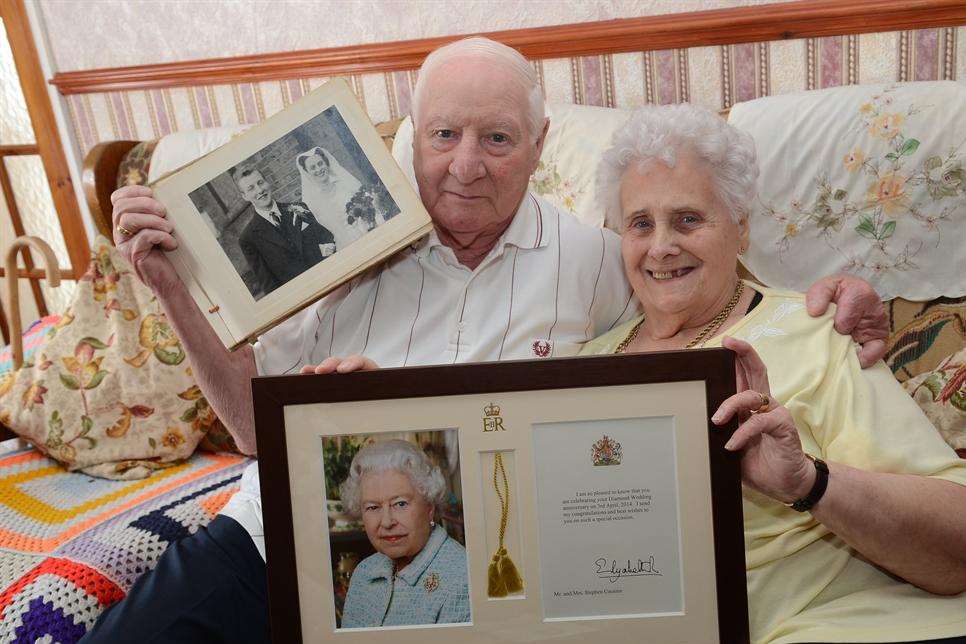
column 765, row 402
column 124, row 231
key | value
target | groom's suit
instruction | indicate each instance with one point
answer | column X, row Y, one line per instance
column 278, row 253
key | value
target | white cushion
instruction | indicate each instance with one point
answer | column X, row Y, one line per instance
column 867, row 179
column 181, row 148
column 566, row 176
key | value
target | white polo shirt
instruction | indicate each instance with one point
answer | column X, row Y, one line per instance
column 550, row 284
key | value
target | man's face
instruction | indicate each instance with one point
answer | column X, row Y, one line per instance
column 255, row 189
column 472, row 151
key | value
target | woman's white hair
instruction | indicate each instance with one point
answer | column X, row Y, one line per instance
column 400, row 456
column 477, row 47
column 660, row 133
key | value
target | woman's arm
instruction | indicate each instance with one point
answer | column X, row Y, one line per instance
column 913, row 526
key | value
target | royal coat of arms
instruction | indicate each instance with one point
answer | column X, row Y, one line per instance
column 606, row 451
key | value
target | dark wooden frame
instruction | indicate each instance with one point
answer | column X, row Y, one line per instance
column 715, row 367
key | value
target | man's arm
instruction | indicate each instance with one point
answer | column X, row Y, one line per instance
column 223, row 376
column 859, row 313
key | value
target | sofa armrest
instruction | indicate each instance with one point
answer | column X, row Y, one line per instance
column 99, row 178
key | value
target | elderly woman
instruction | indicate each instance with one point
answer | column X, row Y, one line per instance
column 854, row 508
column 418, row 573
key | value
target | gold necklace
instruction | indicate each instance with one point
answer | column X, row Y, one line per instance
column 706, row 332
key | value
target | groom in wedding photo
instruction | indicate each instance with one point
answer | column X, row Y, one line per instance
column 282, row 240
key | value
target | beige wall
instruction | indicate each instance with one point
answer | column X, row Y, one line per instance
column 86, row 34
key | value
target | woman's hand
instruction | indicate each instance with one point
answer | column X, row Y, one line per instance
column 335, row 364
column 140, row 227
column 772, row 461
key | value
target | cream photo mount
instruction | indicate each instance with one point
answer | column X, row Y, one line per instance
column 556, row 406
column 235, row 312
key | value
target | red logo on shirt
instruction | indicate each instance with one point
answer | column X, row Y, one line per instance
column 542, row 348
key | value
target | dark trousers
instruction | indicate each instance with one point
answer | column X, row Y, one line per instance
column 209, row 587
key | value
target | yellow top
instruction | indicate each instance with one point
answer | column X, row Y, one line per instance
column 804, row 583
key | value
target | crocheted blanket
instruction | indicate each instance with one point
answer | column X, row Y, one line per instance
column 33, row 337
column 71, row 545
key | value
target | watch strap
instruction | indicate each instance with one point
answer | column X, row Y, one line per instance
column 814, row 495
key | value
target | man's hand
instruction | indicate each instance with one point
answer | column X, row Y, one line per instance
column 141, row 231
column 349, row 364
column 859, row 313
column 327, row 249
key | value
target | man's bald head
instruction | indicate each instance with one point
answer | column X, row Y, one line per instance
column 518, row 69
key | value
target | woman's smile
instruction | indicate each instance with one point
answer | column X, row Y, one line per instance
column 665, row 275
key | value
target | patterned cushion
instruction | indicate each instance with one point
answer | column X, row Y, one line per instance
column 922, row 334
column 135, row 165
column 942, row 395
column 869, row 179
column 111, row 391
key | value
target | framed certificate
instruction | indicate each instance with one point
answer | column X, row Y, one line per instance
column 287, row 211
column 554, row 500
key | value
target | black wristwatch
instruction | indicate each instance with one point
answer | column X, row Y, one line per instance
column 805, row 503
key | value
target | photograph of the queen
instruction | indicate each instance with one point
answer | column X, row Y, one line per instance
column 417, row 574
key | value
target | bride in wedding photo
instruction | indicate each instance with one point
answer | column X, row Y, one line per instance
column 327, row 188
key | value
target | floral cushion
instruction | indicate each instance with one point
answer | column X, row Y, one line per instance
column 942, row 395
column 111, row 391
column 136, row 164
column 869, row 179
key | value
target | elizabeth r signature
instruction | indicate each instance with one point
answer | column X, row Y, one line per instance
column 611, row 570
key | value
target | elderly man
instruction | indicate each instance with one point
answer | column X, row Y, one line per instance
column 503, row 275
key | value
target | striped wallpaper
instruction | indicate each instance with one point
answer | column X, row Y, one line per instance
column 716, row 77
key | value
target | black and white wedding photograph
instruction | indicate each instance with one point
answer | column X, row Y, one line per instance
column 286, row 211
column 295, row 202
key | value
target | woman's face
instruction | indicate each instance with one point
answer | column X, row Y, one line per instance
column 395, row 515
column 316, row 166
column 679, row 243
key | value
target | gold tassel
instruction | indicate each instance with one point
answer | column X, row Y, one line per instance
column 503, row 578
column 509, row 574
column 496, row 586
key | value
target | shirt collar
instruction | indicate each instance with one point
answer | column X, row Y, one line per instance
column 267, row 214
column 411, row 573
column 381, row 568
column 527, row 230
